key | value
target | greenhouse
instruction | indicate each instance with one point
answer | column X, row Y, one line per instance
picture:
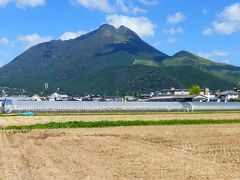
column 12, row 106
column 76, row 106
column 214, row 106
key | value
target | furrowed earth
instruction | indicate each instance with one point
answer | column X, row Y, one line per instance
column 147, row 152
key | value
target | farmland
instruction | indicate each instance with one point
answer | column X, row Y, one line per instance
column 14, row 120
column 203, row 151
column 167, row 152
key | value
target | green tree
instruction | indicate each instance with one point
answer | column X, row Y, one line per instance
column 195, row 90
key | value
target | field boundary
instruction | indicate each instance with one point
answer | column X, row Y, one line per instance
column 104, row 124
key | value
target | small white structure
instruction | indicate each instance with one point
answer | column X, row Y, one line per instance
column 58, row 97
column 130, row 98
column 206, row 98
column 229, row 95
column 113, row 98
column 173, row 91
column 35, row 98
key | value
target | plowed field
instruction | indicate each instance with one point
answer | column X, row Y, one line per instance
column 160, row 152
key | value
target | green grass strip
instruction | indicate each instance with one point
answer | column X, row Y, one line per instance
column 122, row 113
column 102, row 124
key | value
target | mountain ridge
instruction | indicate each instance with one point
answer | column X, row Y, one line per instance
column 110, row 53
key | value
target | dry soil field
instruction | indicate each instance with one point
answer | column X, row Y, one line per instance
column 24, row 120
column 160, row 152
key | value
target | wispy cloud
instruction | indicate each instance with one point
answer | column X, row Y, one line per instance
column 106, row 6
column 173, row 31
column 4, row 41
column 127, row 8
column 149, row 2
column 208, row 31
column 4, row 2
column 29, row 3
column 101, row 5
column 214, row 54
column 227, row 22
column 23, row 3
column 176, row 18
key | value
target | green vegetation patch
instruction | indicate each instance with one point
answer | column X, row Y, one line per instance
column 102, row 124
column 146, row 62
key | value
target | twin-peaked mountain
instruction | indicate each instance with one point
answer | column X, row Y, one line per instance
column 110, row 60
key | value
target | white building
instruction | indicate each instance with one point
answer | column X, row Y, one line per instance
column 229, row 95
column 173, row 91
column 35, row 98
column 58, row 97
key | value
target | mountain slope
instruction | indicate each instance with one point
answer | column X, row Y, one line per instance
column 140, row 78
column 108, row 60
column 223, row 71
column 69, row 62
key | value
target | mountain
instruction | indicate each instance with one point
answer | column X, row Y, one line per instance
column 110, row 60
column 223, row 71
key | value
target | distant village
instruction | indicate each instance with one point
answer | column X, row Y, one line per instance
column 164, row 95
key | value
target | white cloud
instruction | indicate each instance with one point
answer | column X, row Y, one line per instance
column 226, row 28
column 101, row 5
column 29, row 3
column 176, row 18
column 3, row 3
column 4, row 41
column 71, row 35
column 231, row 13
column 228, row 21
column 173, row 31
column 149, row 2
column 214, row 54
column 33, row 39
column 23, row 3
column 141, row 25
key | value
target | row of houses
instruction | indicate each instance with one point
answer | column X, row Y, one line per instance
column 183, row 95
column 165, row 95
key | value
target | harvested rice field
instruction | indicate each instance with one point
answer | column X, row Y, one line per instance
column 149, row 152
column 42, row 119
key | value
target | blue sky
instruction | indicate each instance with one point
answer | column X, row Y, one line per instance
column 208, row 28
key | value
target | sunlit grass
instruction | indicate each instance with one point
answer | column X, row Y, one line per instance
column 102, row 124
